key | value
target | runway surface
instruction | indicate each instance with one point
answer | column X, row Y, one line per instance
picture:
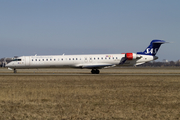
column 88, row 74
column 170, row 71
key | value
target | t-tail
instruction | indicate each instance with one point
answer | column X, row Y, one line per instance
column 153, row 48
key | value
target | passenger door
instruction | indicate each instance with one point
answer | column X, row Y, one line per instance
column 27, row 61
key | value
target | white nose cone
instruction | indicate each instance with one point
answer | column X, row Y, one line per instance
column 8, row 65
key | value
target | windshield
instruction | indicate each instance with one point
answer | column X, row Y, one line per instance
column 17, row 60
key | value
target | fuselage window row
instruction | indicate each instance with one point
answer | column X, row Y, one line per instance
column 74, row 59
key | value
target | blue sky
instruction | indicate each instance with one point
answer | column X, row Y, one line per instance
column 55, row 27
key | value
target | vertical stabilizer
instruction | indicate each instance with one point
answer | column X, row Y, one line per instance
column 153, row 48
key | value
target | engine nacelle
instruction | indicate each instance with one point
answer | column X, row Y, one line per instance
column 132, row 56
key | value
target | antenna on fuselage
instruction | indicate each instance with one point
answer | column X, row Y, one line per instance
column 15, row 57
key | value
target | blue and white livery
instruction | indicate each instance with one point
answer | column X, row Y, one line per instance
column 92, row 61
column 153, row 48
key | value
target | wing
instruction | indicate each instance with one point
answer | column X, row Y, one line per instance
column 123, row 60
column 95, row 65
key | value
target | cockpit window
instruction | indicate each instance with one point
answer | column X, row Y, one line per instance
column 17, row 60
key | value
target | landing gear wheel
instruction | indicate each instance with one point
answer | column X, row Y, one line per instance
column 96, row 71
column 15, row 71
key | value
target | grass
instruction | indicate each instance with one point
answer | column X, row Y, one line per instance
column 89, row 97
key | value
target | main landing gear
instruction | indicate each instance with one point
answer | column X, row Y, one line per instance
column 95, row 71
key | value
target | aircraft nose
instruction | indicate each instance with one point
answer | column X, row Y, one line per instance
column 6, row 65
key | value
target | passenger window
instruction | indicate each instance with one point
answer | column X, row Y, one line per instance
column 76, row 59
column 36, row 59
column 32, row 59
column 46, row 59
column 39, row 60
column 62, row 59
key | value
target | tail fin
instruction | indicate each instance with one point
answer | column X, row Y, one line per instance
column 153, row 48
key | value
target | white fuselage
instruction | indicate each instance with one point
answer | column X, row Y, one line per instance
column 93, row 61
column 76, row 61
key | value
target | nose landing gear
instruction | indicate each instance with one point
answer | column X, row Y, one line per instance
column 95, row 71
column 15, row 71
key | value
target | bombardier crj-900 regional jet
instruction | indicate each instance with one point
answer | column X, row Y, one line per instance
column 92, row 61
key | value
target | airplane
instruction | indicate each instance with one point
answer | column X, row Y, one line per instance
column 91, row 61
